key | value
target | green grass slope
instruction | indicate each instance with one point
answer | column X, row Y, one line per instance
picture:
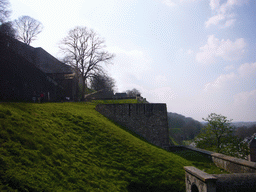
column 71, row 147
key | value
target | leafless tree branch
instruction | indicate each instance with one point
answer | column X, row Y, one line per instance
column 4, row 10
column 27, row 29
column 85, row 51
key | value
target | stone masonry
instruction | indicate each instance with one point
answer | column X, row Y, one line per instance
column 146, row 120
column 199, row 181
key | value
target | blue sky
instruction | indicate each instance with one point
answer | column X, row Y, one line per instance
column 197, row 56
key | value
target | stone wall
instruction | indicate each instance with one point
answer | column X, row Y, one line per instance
column 146, row 120
column 237, row 182
column 199, row 181
column 231, row 164
column 242, row 177
column 252, row 146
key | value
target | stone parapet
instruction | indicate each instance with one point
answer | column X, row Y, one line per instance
column 199, row 181
column 237, row 182
column 230, row 164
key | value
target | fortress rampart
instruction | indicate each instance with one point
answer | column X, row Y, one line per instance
column 146, row 120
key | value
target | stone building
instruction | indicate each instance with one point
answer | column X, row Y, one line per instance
column 251, row 141
column 25, row 71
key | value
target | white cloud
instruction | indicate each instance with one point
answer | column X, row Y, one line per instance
column 208, row 51
column 129, row 66
column 229, row 68
column 223, row 12
column 229, row 5
column 245, row 98
column 220, row 82
column 190, row 52
column 214, row 4
column 242, row 79
column 227, row 50
column 229, row 23
column 172, row 3
column 169, row 3
column 221, row 18
column 214, row 20
column 162, row 94
column 160, row 80
column 247, row 69
column 186, row 1
column 244, row 106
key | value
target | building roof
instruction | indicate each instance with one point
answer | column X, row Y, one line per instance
column 49, row 64
column 39, row 57
column 121, row 94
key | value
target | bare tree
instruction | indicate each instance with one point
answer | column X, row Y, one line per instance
column 85, row 51
column 4, row 10
column 27, row 28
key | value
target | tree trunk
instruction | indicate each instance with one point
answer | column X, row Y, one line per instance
column 83, row 89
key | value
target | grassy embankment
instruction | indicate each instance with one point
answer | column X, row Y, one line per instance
column 71, row 147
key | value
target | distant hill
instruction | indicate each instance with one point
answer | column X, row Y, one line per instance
column 177, row 120
column 237, row 124
column 182, row 128
column 243, row 124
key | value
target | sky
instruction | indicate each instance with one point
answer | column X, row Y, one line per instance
column 197, row 56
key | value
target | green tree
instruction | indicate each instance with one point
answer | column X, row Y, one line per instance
column 219, row 136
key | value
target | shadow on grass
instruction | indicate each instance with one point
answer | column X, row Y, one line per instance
column 143, row 187
column 200, row 161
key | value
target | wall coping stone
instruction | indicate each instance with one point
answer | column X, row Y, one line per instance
column 235, row 160
column 200, row 150
column 225, row 157
column 205, row 182
column 203, row 176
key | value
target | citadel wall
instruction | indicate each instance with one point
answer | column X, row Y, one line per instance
column 146, row 120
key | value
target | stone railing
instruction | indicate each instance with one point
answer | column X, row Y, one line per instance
column 230, row 164
column 242, row 177
column 199, row 181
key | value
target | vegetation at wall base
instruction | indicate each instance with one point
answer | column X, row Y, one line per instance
column 71, row 147
column 201, row 161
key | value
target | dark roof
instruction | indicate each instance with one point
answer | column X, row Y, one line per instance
column 19, row 78
column 121, row 95
column 41, row 58
column 49, row 64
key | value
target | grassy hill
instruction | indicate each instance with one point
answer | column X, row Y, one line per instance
column 72, row 147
